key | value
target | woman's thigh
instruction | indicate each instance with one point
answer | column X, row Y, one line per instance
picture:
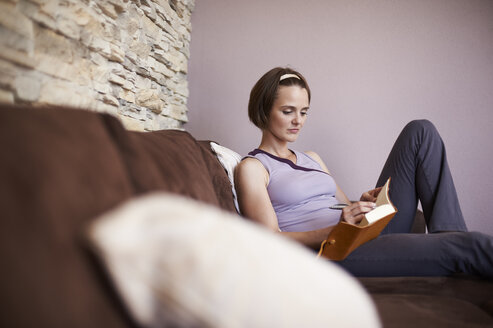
column 438, row 254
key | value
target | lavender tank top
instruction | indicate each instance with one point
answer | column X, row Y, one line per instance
column 300, row 193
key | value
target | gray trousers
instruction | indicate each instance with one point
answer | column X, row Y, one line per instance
column 419, row 170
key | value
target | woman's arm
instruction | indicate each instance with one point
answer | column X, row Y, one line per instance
column 251, row 180
column 312, row 239
column 340, row 195
column 355, row 212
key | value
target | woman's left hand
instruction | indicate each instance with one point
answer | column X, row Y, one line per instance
column 371, row 195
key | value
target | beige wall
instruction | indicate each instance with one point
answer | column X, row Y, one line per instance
column 372, row 66
column 125, row 57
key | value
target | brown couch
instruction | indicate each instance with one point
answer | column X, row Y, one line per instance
column 61, row 168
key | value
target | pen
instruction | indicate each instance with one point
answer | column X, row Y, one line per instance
column 338, row 206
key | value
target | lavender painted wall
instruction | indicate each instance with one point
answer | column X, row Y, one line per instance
column 372, row 66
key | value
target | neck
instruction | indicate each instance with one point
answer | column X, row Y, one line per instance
column 274, row 146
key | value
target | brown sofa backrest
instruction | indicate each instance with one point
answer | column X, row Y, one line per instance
column 174, row 161
column 61, row 168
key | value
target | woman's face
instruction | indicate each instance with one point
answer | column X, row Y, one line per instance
column 288, row 113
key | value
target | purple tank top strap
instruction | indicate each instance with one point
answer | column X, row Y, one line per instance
column 303, row 161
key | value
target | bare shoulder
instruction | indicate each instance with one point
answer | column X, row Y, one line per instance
column 318, row 159
column 250, row 168
column 313, row 155
column 249, row 164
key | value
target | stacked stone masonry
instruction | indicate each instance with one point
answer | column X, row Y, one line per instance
column 125, row 57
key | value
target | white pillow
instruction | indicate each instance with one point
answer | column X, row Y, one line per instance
column 178, row 262
column 228, row 159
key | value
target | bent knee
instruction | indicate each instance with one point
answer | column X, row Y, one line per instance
column 421, row 127
column 422, row 124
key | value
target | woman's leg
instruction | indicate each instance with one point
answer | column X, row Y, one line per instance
column 439, row 254
column 418, row 167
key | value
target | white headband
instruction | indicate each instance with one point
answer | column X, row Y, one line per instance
column 287, row 76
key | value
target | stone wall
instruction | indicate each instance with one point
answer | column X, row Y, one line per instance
column 125, row 57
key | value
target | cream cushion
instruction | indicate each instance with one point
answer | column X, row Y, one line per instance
column 178, row 262
column 228, row 159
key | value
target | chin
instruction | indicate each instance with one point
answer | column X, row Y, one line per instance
column 291, row 138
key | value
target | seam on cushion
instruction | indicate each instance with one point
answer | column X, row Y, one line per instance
column 114, row 129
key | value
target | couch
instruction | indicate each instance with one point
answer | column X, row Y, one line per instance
column 63, row 167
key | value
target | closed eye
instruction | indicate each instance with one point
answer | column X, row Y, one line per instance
column 287, row 110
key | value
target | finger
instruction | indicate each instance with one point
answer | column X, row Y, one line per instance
column 347, row 215
column 370, row 198
column 376, row 191
column 359, row 204
column 348, row 218
column 355, row 219
column 364, row 204
column 357, row 208
column 366, row 196
column 361, row 208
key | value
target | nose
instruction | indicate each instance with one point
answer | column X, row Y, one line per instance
column 297, row 119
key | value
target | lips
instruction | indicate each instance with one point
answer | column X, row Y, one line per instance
column 293, row 130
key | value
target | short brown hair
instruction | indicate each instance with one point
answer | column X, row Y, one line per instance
column 264, row 93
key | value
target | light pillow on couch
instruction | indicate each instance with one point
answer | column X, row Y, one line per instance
column 178, row 262
column 228, row 159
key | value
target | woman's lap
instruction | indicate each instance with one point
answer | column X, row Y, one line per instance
column 437, row 254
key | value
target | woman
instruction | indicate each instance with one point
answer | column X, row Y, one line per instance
column 291, row 192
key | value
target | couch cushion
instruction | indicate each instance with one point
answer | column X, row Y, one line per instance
column 456, row 301
column 59, row 169
column 409, row 311
column 167, row 160
column 222, row 271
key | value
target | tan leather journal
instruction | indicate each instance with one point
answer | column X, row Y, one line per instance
column 346, row 237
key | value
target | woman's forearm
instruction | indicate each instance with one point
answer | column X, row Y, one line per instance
column 312, row 239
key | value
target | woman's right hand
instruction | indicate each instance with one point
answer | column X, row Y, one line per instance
column 355, row 212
